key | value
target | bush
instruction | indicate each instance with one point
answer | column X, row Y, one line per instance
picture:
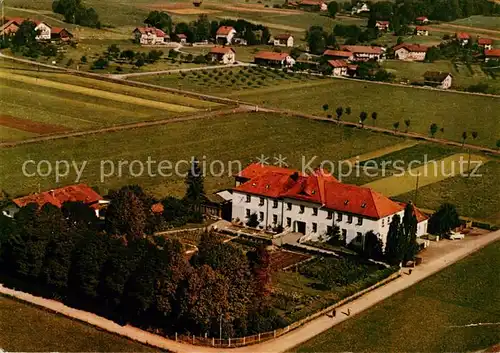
column 100, row 64
column 200, row 59
column 479, row 88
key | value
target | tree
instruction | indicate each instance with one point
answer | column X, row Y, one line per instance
column 394, row 249
column 266, row 36
column 409, row 233
column 75, row 12
column 433, row 129
column 348, row 110
column 498, row 144
column 83, row 59
column 100, row 64
column 407, row 123
column 333, row 8
column 113, row 51
column 316, row 39
column 396, row 126
column 325, row 107
column 201, row 28
column 126, row 214
column 433, row 54
column 260, row 264
column 362, row 118
column 161, row 20
column 373, row 246
column 374, row 117
column 444, row 220
column 253, row 220
column 25, row 39
column 464, row 137
column 195, row 188
column 335, row 237
column 339, row 111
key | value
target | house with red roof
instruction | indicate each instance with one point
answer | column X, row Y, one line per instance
column 269, row 58
column 421, row 31
column 283, row 40
column 57, row 197
column 462, row 37
column 150, row 36
column 313, row 5
column 312, row 204
column 364, row 52
column 339, row 67
column 338, row 54
column 61, row 34
column 12, row 25
column 422, row 20
column 225, row 35
column 492, row 54
column 410, row 52
column 485, row 43
column 223, row 55
column 382, row 25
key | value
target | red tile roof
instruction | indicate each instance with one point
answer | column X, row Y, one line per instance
column 311, row 2
column 337, row 63
column 462, row 35
column 20, row 20
column 339, row 53
column 269, row 55
column 419, row 214
column 224, row 30
column 256, row 170
column 323, row 189
column 485, row 41
column 412, row 47
column 492, row 53
column 59, row 31
column 283, row 36
column 182, row 36
column 153, row 30
column 421, row 28
column 383, row 23
column 362, row 49
column 221, row 50
column 422, row 18
column 157, row 208
column 57, row 197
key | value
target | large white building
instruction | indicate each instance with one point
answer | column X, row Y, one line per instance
column 312, row 204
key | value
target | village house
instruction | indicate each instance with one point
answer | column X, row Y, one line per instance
column 182, row 38
column 269, row 58
column 364, row 53
column 313, row 5
column 57, row 197
column 9, row 27
column 422, row 20
column 462, row 37
column 382, row 25
column 360, row 8
column 223, row 55
column 421, row 31
column 313, row 204
column 485, row 43
column 410, row 52
column 60, row 34
column 225, row 35
column 150, row 36
column 491, row 54
column 12, row 25
column 338, row 55
column 437, row 79
column 339, row 67
column 283, row 40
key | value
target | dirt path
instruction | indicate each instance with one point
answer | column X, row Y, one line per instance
column 30, row 125
column 290, row 340
column 471, row 30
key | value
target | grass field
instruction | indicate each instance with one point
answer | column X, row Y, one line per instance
column 25, row 328
column 420, row 319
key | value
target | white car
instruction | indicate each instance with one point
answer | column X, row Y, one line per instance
column 456, row 236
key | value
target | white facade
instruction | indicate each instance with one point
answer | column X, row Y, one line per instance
column 226, row 38
column 309, row 218
column 44, row 31
column 278, row 42
column 446, row 83
column 407, row 55
column 340, row 71
column 422, row 32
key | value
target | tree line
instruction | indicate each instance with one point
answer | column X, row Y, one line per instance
column 75, row 11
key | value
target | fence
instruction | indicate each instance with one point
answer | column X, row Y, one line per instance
column 261, row 337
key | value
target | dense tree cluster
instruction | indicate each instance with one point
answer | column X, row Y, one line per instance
column 25, row 43
column 74, row 11
column 402, row 237
column 444, row 220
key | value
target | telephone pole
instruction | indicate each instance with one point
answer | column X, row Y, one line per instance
column 416, row 189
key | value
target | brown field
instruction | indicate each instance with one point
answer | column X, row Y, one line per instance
column 30, row 126
column 282, row 259
column 451, row 28
column 191, row 11
column 183, row 8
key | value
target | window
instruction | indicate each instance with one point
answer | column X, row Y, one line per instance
column 329, row 230
column 343, row 236
column 315, row 227
column 261, row 201
column 275, row 203
column 288, row 222
column 315, row 211
column 383, row 222
column 275, row 219
column 249, row 198
column 339, row 217
column 349, row 219
column 261, row 216
column 360, row 221
column 289, row 206
column 248, row 212
column 330, row 215
column 302, row 208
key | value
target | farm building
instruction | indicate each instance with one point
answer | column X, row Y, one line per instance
column 182, row 38
column 283, row 40
column 436, row 79
column 422, row 20
column 360, row 8
column 61, row 34
column 364, row 52
column 492, row 54
column 421, row 31
column 311, row 204
column 12, row 25
column 312, row 5
column 462, row 37
column 57, row 197
column 410, row 52
column 339, row 67
column 382, row 25
column 225, row 35
column 223, row 55
column 338, row 55
column 268, row 58
column 150, row 36
column 485, row 43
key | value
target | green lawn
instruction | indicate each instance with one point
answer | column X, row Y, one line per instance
column 25, row 328
column 455, row 112
column 474, row 197
column 488, row 22
column 420, row 319
column 242, row 137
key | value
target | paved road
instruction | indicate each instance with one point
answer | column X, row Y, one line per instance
column 290, row 340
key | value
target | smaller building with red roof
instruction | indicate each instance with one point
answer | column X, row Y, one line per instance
column 382, row 25
column 462, row 37
column 273, row 59
column 225, row 35
column 492, row 54
column 150, row 36
column 485, row 43
column 224, row 55
column 410, row 52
